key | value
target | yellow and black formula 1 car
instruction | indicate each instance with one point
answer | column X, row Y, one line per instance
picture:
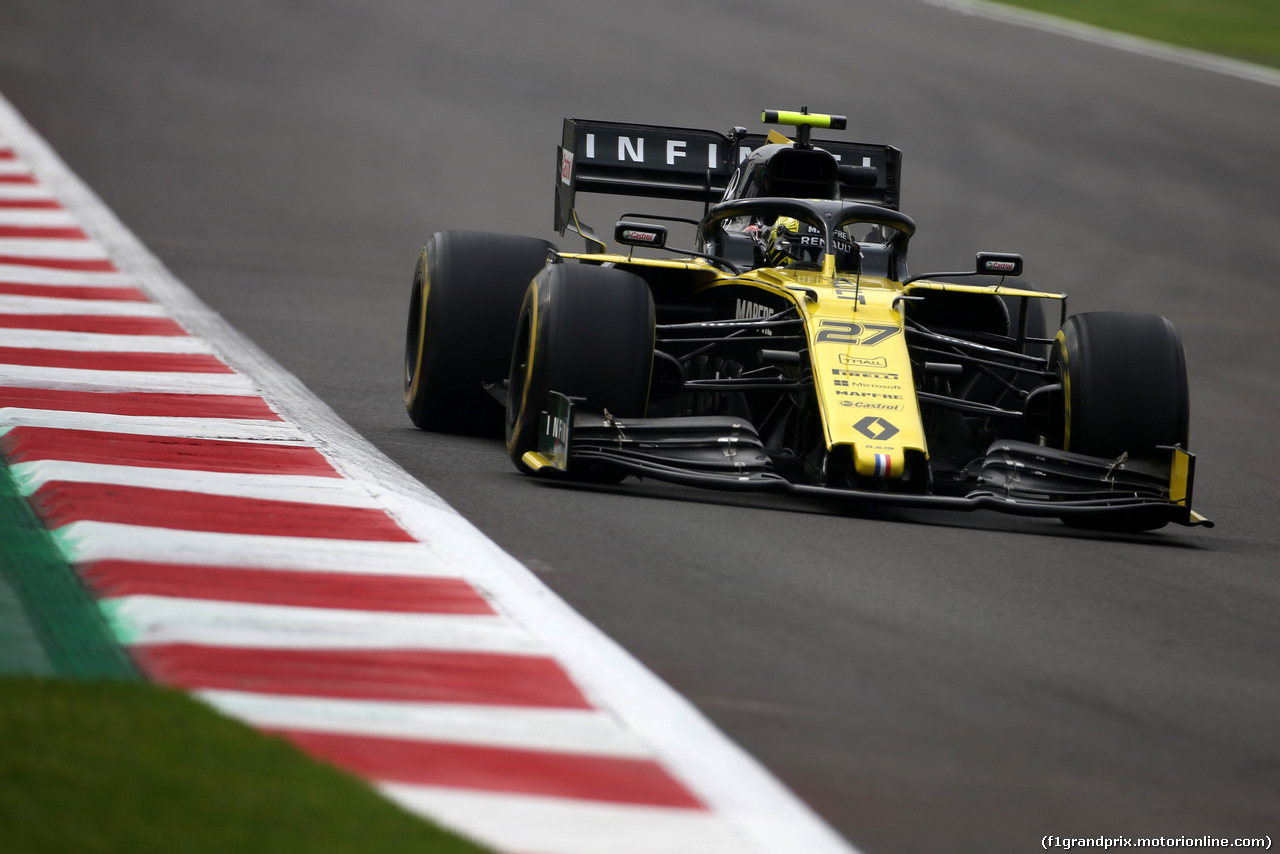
column 789, row 350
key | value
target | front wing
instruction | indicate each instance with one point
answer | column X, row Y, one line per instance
column 720, row 452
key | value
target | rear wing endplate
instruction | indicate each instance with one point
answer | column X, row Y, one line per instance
column 686, row 164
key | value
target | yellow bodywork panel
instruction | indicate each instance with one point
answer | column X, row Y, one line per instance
column 536, row 461
column 926, row 285
column 660, row 263
column 862, row 371
column 1180, row 476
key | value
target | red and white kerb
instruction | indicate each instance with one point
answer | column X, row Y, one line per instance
column 254, row 563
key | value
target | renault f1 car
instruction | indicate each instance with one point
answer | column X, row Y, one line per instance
column 789, row 350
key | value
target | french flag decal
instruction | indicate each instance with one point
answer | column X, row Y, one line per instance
column 883, row 465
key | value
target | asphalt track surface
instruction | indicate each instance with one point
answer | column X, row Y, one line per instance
column 927, row 682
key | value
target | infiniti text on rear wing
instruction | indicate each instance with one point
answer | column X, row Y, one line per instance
column 623, row 159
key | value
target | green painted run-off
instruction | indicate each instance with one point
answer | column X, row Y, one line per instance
column 49, row 624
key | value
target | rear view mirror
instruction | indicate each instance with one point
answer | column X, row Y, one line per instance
column 999, row 264
column 859, row 177
column 640, row 234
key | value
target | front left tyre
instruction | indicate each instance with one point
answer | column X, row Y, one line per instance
column 1124, row 392
column 1124, row 381
column 463, row 308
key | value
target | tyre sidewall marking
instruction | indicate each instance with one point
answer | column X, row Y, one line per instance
column 532, row 298
column 424, row 289
column 1064, row 376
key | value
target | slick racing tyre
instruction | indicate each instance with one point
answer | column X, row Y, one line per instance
column 586, row 332
column 1124, row 390
column 462, row 317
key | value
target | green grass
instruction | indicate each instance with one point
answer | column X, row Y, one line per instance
column 1241, row 29
column 98, row 766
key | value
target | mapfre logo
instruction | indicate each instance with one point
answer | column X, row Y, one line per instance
column 747, row 310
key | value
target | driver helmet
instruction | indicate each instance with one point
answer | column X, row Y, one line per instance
column 793, row 242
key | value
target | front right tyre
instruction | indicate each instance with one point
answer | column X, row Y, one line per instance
column 586, row 332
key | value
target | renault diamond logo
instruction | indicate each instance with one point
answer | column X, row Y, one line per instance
column 875, row 427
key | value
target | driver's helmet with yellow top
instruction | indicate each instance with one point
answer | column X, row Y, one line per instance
column 792, row 242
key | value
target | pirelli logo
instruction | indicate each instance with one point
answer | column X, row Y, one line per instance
column 870, row 375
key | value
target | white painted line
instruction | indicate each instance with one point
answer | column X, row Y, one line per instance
column 13, row 167
column 531, row 823
column 164, row 619
column 78, row 379
column 89, row 342
column 331, row 491
column 29, row 275
column 25, row 192
column 37, row 217
column 230, row 429
column 1110, row 38
column 96, row 307
column 53, row 248
column 89, row 542
column 558, row 730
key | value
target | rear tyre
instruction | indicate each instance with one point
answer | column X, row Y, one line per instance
column 586, row 332
column 462, row 317
column 1124, row 390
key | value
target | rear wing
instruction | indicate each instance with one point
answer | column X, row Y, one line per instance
column 686, row 164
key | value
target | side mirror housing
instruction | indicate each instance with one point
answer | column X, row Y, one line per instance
column 999, row 264
column 640, row 234
column 859, row 177
column 987, row 264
